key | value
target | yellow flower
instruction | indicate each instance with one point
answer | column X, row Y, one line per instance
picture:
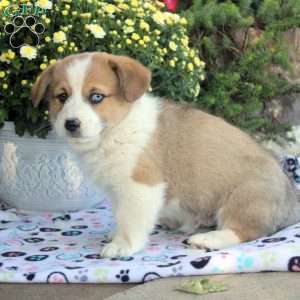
column 172, row 63
column 110, row 8
column 129, row 22
column 157, row 32
column 11, row 54
column 74, row 13
column 146, row 38
column 128, row 41
column 172, row 46
column 47, row 39
column 192, row 53
column 134, row 3
column 123, row 6
column 158, row 18
column 59, row 37
column 5, row 86
column 65, row 12
column 60, row 49
column 52, row 61
column 45, row 4
column 43, row 66
column 202, row 77
column 28, row 52
column 67, row 6
column 72, row 44
column 141, row 42
column 2, row 74
column 135, row 36
column 144, row 25
column 155, row 43
column 128, row 29
column 4, row 3
column 185, row 41
column 183, row 21
column 47, row 21
column 190, row 67
column 24, row 82
column 197, row 61
column 96, row 30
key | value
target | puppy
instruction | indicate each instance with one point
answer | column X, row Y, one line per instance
column 159, row 160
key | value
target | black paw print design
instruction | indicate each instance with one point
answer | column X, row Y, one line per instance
column 24, row 31
column 82, row 275
column 123, row 276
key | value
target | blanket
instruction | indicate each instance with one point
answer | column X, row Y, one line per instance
column 64, row 248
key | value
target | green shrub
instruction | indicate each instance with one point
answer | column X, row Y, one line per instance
column 138, row 28
column 240, row 41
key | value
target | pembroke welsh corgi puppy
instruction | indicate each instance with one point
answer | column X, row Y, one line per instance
column 163, row 161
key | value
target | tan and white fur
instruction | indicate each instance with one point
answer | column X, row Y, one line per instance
column 158, row 160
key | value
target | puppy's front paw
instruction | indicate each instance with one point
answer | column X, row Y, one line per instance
column 117, row 249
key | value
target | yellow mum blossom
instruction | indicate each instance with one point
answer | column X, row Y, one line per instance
column 28, row 52
column 67, row 6
column 4, row 3
column 141, row 42
column 202, row 77
column 110, row 8
column 128, row 29
column 123, row 6
column 144, row 25
column 72, row 44
column 192, row 53
column 45, row 4
column 158, row 17
column 146, row 38
column 134, row 3
column 60, row 49
column 47, row 21
column 74, row 13
column 59, row 37
column 96, row 30
column 157, row 32
column 135, row 36
column 155, row 43
column 190, row 67
column 5, row 86
column 183, row 21
column 184, row 41
column 2, row 74
column 43, row 66
column 52, row 61
column 172, row 63
column 47, row 39
column 11, row 54
column 197, row 61
column 128, row 41
column 172, row 46
column 129, row 22
column 24, row 82
column 65, row 12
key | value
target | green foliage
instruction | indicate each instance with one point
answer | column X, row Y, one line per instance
column 142, row 29
column 240, row 41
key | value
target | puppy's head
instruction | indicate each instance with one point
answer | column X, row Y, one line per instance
column 90, row 92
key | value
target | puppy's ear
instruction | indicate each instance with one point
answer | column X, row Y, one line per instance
column 39, row 89
column 133, row 76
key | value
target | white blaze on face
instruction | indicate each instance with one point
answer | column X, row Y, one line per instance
column 76, row 106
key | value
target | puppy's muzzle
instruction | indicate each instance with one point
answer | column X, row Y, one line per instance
column 72, row 125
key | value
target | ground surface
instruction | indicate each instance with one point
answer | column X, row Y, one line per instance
column 262, row 286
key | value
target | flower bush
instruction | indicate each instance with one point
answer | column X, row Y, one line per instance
column 142, row 29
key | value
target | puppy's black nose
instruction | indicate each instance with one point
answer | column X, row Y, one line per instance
column 72, row 125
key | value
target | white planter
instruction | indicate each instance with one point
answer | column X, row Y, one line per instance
column 42, row 174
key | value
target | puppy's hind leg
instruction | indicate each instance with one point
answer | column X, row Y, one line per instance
column 252, row 210
column 137, row 209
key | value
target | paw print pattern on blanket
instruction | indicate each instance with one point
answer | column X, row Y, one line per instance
column 65, row 247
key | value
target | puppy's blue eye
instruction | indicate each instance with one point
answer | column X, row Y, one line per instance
column 96, row 98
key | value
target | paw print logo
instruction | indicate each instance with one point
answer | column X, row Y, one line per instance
column 123, row 275
column 24, row 31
